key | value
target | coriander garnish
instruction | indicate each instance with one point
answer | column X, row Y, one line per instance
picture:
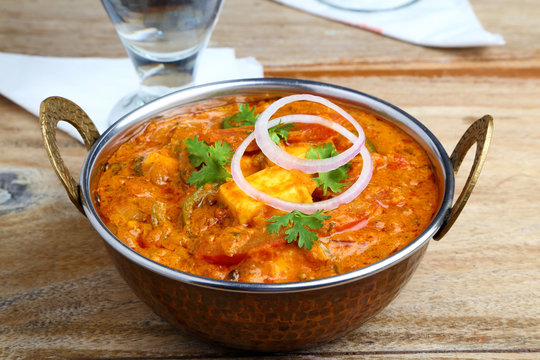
column 244, row 117
column 247, row 117
column 301, row 224
column 330, row 179
column 210, row 159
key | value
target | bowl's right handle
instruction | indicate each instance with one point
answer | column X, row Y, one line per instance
column 478, row 133
column 51, row 111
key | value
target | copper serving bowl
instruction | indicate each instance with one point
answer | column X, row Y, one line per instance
column 265, row 317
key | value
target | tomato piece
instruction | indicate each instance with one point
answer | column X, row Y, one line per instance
column 222, row 259
column 351, row 226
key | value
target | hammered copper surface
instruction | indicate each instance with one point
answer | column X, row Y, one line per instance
column 252, row 317
column 267, row 321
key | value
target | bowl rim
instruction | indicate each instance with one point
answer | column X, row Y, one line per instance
column 225, row 88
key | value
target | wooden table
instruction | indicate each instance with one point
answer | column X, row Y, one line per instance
column 476, row 293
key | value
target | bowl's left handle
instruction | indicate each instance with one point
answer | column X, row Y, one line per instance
column 53, row 110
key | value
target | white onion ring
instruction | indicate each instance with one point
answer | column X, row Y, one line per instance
column 288, row 161
column 347, row 196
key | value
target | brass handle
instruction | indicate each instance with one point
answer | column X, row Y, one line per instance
column 478, row 133
column 51, row 111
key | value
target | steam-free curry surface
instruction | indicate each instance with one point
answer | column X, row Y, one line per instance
column 144, row 199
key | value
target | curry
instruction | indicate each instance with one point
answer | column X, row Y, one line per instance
column 168, row 194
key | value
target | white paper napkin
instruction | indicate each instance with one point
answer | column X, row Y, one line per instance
column 436, row 23
column 97, row 84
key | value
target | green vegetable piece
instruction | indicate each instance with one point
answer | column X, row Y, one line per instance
column 370, row 146
column 158, row 214
column 331, row 179
column 114, row 167
column 210, row 159
column 137, row 166
column 301, row 224
column 194, row 200
column 244, row 117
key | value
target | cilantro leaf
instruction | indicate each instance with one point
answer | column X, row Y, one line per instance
column 244, row 117
column 210, row 159
column 301, row 224
column 209, row 173
column 222, row 152
column 198, row 151
column 280, row 132
column 331, row 179
column 322, row 152
column 277, row 222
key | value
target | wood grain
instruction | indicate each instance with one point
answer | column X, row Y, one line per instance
column 476, row 293
column 287, row 41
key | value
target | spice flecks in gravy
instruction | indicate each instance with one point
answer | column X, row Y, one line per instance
column 146, row 201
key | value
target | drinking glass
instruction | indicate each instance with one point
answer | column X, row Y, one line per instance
column 163, row 39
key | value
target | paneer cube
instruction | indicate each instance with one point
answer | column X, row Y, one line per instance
column 298, row 149
column 160, row 168
column 250, row 164
column 290, row 185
